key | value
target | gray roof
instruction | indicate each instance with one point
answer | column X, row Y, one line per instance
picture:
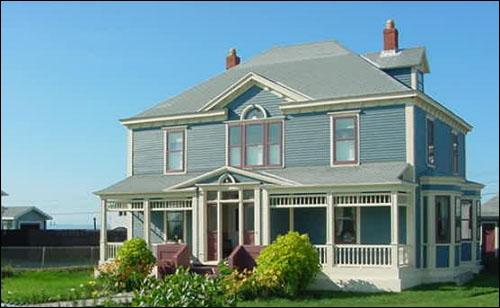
column 319, row 70
column 490, row 208
column 403, row 58
column 13, row 212
column 367, row 173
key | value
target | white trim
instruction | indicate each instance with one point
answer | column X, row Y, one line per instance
column 184, row 131
column 410, row 134
column 251, row 107
column 160, row 120
column 344, row 113
column 427, row 119
column 247, row 82
column 358, row 141
column 130, row 151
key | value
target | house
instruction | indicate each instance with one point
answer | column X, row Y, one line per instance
column 489, row 227
column 24, row 217
column 347, row 148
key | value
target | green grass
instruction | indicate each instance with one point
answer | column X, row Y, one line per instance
column 27, row 287
column 481, row 292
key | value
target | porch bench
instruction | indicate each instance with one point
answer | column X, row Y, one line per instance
column 243, row 257
column 171, row 256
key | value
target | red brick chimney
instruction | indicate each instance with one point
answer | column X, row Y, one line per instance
column 232, row 59
column 390, row 36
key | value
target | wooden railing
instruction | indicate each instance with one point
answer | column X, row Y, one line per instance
column 112, row 249
column 322, row 253
column 363, row 255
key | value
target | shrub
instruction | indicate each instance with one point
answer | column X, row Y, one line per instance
column 287, row 266
column 240, row 285
column 182, row 289
column 7, row 271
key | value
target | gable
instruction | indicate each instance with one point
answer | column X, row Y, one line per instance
column 255, row 95
column 32, row 216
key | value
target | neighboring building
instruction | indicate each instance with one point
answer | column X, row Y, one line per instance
column 24, row 217
column 315, row 138
column 489, row 226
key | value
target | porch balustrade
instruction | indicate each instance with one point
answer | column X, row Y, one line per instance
column 371, row 255
column 112, row 249
column 322, row 253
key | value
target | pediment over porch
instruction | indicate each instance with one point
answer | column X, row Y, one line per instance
column 231, row 176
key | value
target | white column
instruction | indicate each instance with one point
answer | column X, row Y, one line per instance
column 219, row 227
column 330, row 229
column 266, row 218
column 104, row 236
column 147, row 222
column 241, row 222
column 130, row 222
column 202, row 231
column 194, row 225
column 410, row 227
column 394, row 229
column 257, row 217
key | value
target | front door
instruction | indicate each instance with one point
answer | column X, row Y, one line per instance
column 212, row 242
column 230, row 228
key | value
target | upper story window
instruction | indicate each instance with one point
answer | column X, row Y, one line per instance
column 255, row 143
column 431, row 152
column 454, row 152
column 443, row 219
column 345, row 139
column 174, row 147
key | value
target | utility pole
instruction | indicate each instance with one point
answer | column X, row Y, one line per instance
column 95, row 224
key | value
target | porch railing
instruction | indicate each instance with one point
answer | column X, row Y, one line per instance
column 112, row 249
column 363, row 255
column 322, row 253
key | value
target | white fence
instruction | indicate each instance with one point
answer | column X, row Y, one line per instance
column 112, row 250
column 41, row 257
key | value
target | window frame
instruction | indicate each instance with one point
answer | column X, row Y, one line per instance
column 265, row 123
column 471, row 227
column 429, row 146
column 333, row 146
column 166, row 151
column 455, row 153
column 437, row 220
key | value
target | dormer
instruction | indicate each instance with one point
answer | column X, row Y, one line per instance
column 407, row 65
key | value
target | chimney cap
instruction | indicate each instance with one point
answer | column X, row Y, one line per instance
column 232, row 51
column 390, row 24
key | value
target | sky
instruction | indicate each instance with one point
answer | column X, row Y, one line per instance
column 70, row 71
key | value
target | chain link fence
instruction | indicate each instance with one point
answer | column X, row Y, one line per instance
column 42, row 257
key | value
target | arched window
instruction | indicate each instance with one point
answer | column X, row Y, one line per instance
column 227, row 179
column 253, row 112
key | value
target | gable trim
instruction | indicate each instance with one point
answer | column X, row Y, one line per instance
column 245, row 83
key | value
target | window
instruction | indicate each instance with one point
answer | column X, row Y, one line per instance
column 478, row 220
column 420, row 81
column 174, row 150
column 255, row 144
column 175, row 226
column 345, row 225
column 425, row 220
column 249, row 216
column 431, row 155
column 458, row 220
column 454, row 152
column 466, row 220
column 442, row 219
column 345, row 140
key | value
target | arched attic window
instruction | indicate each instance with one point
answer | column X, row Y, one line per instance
column 253, row 112
column 227, row 179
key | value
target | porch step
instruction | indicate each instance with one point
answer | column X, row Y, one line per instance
column 203, row 269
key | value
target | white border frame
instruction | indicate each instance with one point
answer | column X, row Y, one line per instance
column 184, row 158
column 333, row 115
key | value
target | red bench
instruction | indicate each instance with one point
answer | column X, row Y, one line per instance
column 243, row 257
column 171, row 256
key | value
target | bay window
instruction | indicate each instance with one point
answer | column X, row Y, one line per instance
column 255, row 144
column 174, row 150
column 466, row 220
column 345, row 140
column 458, row 220
column 443, row 226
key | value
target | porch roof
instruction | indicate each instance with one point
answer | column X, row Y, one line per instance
column 364, row 174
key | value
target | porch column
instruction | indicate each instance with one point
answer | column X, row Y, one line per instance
column 330, row 229
column 194, row 225
column 266, row 218
column 394, row 229
column 104, row 236
column 257, row 216
column 219, row 226
column 202, row 231
column 130, row 222
column 241, row 222
column 147, row 222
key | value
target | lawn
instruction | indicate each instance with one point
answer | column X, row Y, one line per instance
column 481, row 292
column 43, row 286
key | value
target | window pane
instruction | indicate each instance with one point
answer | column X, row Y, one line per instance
column 212, row 218
column 249, row 216
column 175, row 141
column 345, row 225
column 442, row 219
column 274, row 133
column 248, row 194
column 230, row 195
column 235, row 135
column 344, row 128
column 175, row 225
column 235, row 156
column 345, row 150
column 274, row 154
column 255, row 113
column 254, row 134
column 175, row 161
column 255, row 155
column 212, row 195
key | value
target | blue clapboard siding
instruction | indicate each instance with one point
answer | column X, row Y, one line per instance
column 403, row 75
column 382, row 134
column 442, row 256
column 375, row 225
column 442, row 143
column 255, row 95
column 147, row 151
column 206, row 147
column 311, row 222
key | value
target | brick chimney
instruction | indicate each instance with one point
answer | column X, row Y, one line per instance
column 232, row 59
column 390, row 36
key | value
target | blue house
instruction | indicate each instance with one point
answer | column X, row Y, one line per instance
column 347, row 148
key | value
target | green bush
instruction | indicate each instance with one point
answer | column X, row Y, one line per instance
column 182, row 289
column 287, row 266
column 133, row 263
column 7, row 271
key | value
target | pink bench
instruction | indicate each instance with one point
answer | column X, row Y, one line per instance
column 243, row 256
column 171, row 256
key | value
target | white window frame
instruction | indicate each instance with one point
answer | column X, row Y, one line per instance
column 342, row 114
column 429, row 118
column 166, row 130
column 454, row 134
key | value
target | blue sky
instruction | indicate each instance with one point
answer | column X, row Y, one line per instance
column 71, row 70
